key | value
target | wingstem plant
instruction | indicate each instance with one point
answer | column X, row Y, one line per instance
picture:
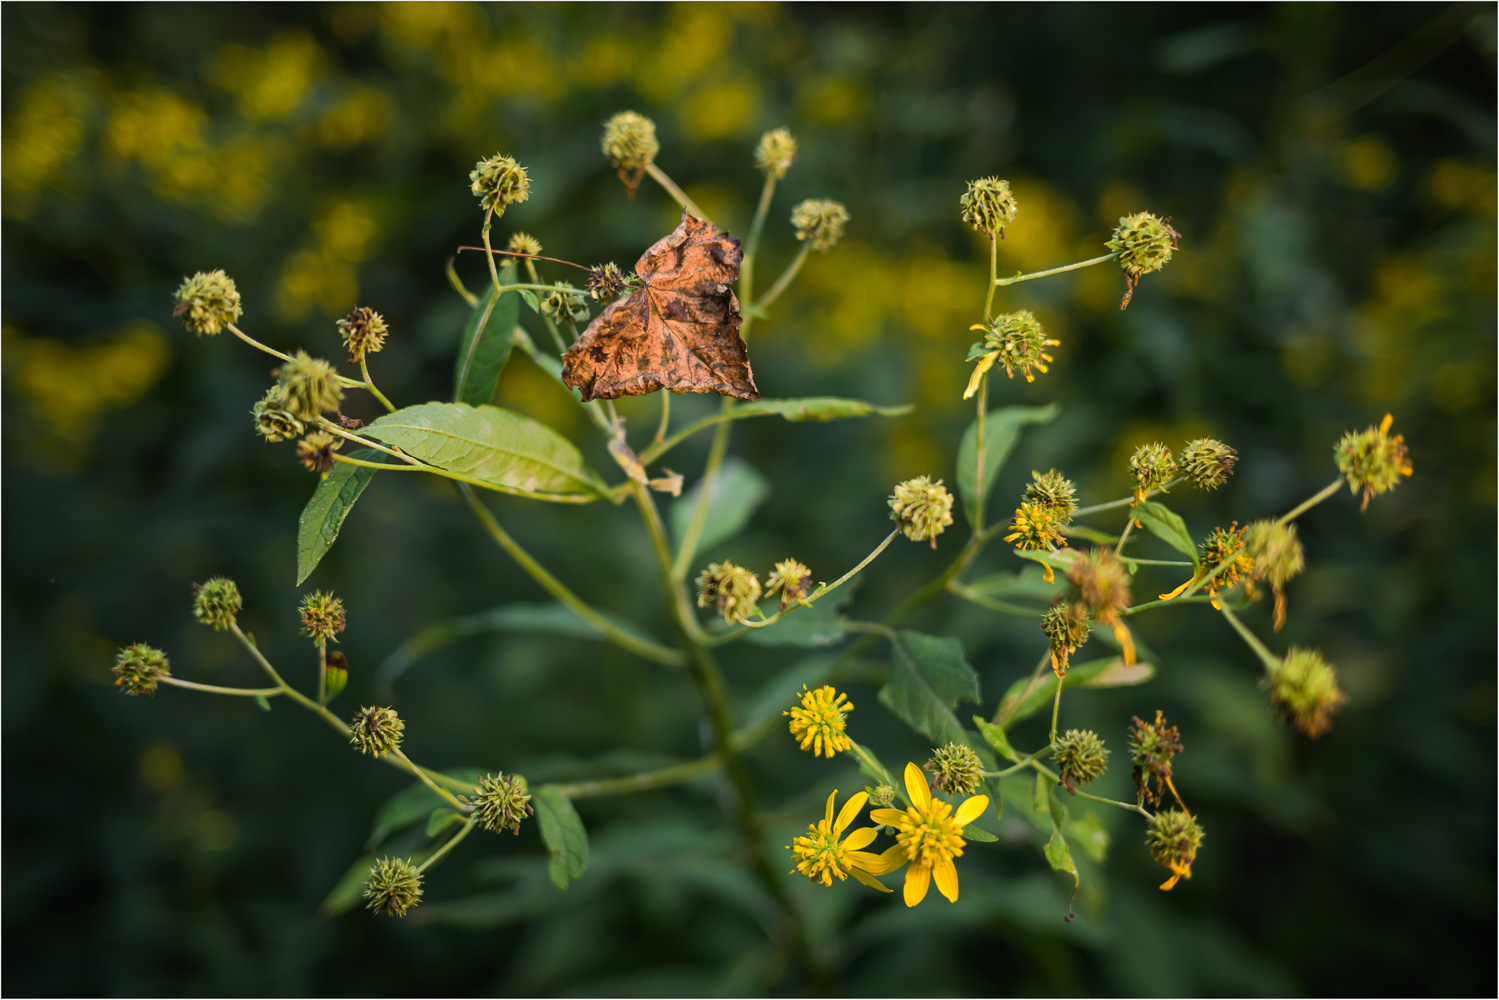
column 932, row 811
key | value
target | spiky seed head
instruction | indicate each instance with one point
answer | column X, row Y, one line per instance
column 363, row 332
column 139, row 667
column 732, row 589
column 1152, row 748
column 988, row 206
column 1052, row 489
column 790, row 579
column 273, row 421
column 1144, row 243
column 921, row 508
column 775, row 153
column 1151, row 467
column 1102, row 584
column 1373, row 461
column 322, row 616
column 1305, row 687
column 376, row 731
column 208, row 301
column 605, row 282
column 1173, row 837
column 216, row 602
column 956, row 769
column 499, row 182
column 502, row 801
column 630, row 141
column 820, row 220
column 393, row 887
column 524, row 243
column 308, row 387
column 1081, row 757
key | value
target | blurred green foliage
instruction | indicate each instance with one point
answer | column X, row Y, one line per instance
column 1331, row 169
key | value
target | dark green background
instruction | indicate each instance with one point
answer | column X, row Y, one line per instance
column 1331, row 169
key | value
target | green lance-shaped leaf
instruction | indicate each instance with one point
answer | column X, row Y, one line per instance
column 1001, row 431
column 349, row 892
column 1166, row 525
column 1027, row 696
column 563, row 834
column 818, row 408
column 928, row 677
column 490, row 444
column 1057, row 853
column 737, row 490
column 321, row 519
column 486, row 344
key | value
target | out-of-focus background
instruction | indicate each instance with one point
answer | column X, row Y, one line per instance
column 1331, row 170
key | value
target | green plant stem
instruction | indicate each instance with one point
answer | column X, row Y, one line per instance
column 215, row 689
column 343, row 380
column 659, row 176
column 1311, row 502
column 974, row 597
column 468, row 827
column 1024, row 762
column 752, row 244
column 458, row 477
column 780, row 284
column 322, row 672
column 546, row 320
column 1126, row 501
column 665, row 777
column 978, row 455
column 1203, row 599
column 369, row 383
column 665, row 421
column 827, row 588
column 1056, row 270
column 443, row 793
column 1056, row 707
column 458, row 285
column 1269, row 659
column 640, row 647
column 1127, row 806
column 993, row 275
column 716, row 452
column 1124, row 536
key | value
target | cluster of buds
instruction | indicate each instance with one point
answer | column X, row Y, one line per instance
column 775, row 153
column 208, row 301
column 501, row 802
column 988, row 206
column 1144, row 243
column 732, row 589
column 605, row 282
column 1152, row 747
column 363, row 332
column 921, row 509
column 1016, row 342
column 566, row 303
column 1373, row 461
column 956, row 770
column 1304, row 686
column 792, row 580
column 819, row 221
column 499, row 182
column 1081, row 758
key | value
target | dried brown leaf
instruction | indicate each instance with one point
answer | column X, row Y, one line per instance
column 679, row 332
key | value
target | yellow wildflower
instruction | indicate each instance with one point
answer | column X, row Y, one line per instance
column 819, row 722
column 820, row 855
column 928, row 835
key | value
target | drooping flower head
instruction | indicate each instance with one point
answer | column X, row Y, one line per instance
column 1277, row 557
column 1173, row 837
column 922, row 508
column 928, row 836
column 820, row 721
column 730, row 588
column 1305, row 687
column 822, row 857
column 791, row 579
column 1016, row 342
column 1152, row 747
column 1102, row 583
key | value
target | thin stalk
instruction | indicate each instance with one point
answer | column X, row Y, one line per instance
column 445, row 848
column 874, row 765
column 242, row 335
column 1196, row 599
column 676, row 774
column 1128, row 806
column 322, row 672
column 369, row 383
column 458, row 286
column 659, row 176
column 775, row 290
column 660, row 448
column 216, row 689
column 716, row 452
column 640, row 647
column 1056, row 706
column 1269, row 659
column 1124, row 536
column 973, row 597
column 752, row 244
column 1126, row 501
column 993, row 275
column 827, row 588
column 546, row 320
column 443, row 793
column 978, row 457
column 1311, row 502
column 1025, row 762
column 665, row 420
column 1056, row 270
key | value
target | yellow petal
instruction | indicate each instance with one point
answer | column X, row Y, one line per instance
column 985, row 363
column 887, row 817
column 890, row 861
column 971, row 809
column 860, row 838
column 918, row 877
column 1384, row 425
column 850, row 811
column 871, row 881
column 1177, row 592
column 947, row 879
column 916, row 787
column 828, row 814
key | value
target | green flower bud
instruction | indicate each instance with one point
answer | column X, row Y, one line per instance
column 498, row 182
column 1151, row 467
column 1152, row 747
column 1081, row 757
column 733, row 589
column 1014, row 341
column 1053, row 490
column 524, row 243
column 630, row 142
column 501, row 802
column 605, row 282
column 308, row 387
column 1278, row 557
column 1102, row 584
column 337, row 674
column 209, row 300
column 1144, row 243
column 564, row 303
column 376, row 731
column 776, row 153
column 322, row 616
column 1066, row 628
column 988, row 206
column 1373, row 461
column 1208, row 463
column 139, row 667
column 316, row 451
column 821, row 221
column 273, row 421
column 363, row 332
column 393, row 886
column 956, row 769
column 882, row 796
column 216, row 602
column 1173, row 837
column 791, row 580
column 921, row 508
column 1305, row 687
